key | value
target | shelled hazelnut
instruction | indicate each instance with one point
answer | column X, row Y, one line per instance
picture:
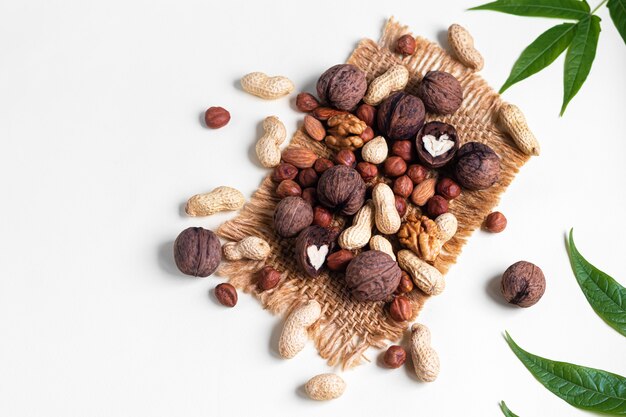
column 495, row 222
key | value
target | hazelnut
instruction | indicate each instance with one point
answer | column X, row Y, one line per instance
column 400, row 309
column 309, row 195
column 403, row 149
column 267, row 278
column 403, row 186
column 440, row 92
column 345, row 157
column 216, row 117
column 477, row 166
column 406, row 284
column 436, row 144
column 197, row 252
column 523, row 284
column 394, row 357
column 417, row 173
column 339, row 260
column 288, row 188
column 367, row 135
column 341, row 188
column 394, row 166
column 306, row 102
column 292, row 215
column 495, row 222
column 448, row 189
column 367, row 113
column 307, row 177
column 322, row 217
column 312, row 246
column 366, row 170
column 401, row 205
column 372, row 276
column 322, row 164
column 284, row 171
column 342, row 86
column 406, row 45
column 436, row 206
column 400, row 116
column 226, row 294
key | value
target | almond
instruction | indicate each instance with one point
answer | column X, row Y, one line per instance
column 325, row 113
column 299, row 157
column 423, row 191
column 314, row 128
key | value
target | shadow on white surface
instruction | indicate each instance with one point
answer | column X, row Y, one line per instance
column 442, row 39
column 165, row 255
column 274, row 338
column 493, row 290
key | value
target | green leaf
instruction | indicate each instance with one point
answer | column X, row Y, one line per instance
column 617, row 9
column 506, row 411
column 579, row 58
column 561, row 9
column 541, row 53
column 585, row 388
column 606, row 296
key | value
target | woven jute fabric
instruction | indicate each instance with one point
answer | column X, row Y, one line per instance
column 348, row 328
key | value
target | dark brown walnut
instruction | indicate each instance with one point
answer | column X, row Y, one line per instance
column 372, row 276
column 417, row 173
column 448, row 188
column 406, row 45
column 322, row 216
column 436, row 206
column 403, row 186
column 367, row 113
column 403, row 149
column 367, row 171
column 307, row 177
column 312, row 246
column 291, row 216
column 309, row 195
column 341, row 188
column 197, row 252
column 400, row 309
column 284, row 171
column 342, row 86
column 322, row 164
column 495, row 222
column 436, row 144
column 400, row 116
column 477, row 166
column 440, row 92
column 226, row 294
column 338, row 261
column 401, row 205
column 346, row 157
column 523, row 284
column 267, row 278
column 394, row 357
column 306, row 102
column 406, row 284
column 288, row 188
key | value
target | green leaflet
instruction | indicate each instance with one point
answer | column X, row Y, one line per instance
column 606, row 296
column 586, row 388
column 580, row 56
column 541, row 53
column 506, row 411
column 617, row 8
column 564, row 9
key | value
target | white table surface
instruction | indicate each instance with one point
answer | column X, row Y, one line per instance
column 100, row 106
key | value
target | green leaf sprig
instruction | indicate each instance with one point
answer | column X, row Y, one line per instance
column 605, row 295
column 580, row 38
column 585, row 388
column 506, row 411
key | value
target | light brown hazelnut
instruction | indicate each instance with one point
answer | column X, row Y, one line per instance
column 322, row 216
column 216, row 117
column 309, row 195
column 346, row 157
column 267, row 278
column 401, row 205
column 367, row 113
column 284, row 171
column 406, row 45
column 417, row 173
column 307, row 177
column 322, row 164
column 495, row 222
column 394, row 357
column 403, row 186
column 436, row 206
column 448, row 188
column 394, row 166
column 288, row 188
column 306, row 102
column 226, row 294
column 404, row 149
column 406, row 284
column 338, row 261
column 400, row 309
column 366, row 170
column 367, row 135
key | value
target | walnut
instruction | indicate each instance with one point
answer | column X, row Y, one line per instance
column 477, row 166
column 372, row 276
column 344, row 132
column 342, row 86
column 421, row 235
column 400, row 116
column 440, row 92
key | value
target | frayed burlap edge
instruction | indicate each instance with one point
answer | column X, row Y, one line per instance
column 348, row 328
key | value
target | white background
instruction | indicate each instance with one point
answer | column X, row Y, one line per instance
column 100, row 106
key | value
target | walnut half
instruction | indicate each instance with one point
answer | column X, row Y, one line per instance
column 344, row 132
column 421, row 235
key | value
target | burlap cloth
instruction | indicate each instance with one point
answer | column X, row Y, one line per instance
column 348, row 328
